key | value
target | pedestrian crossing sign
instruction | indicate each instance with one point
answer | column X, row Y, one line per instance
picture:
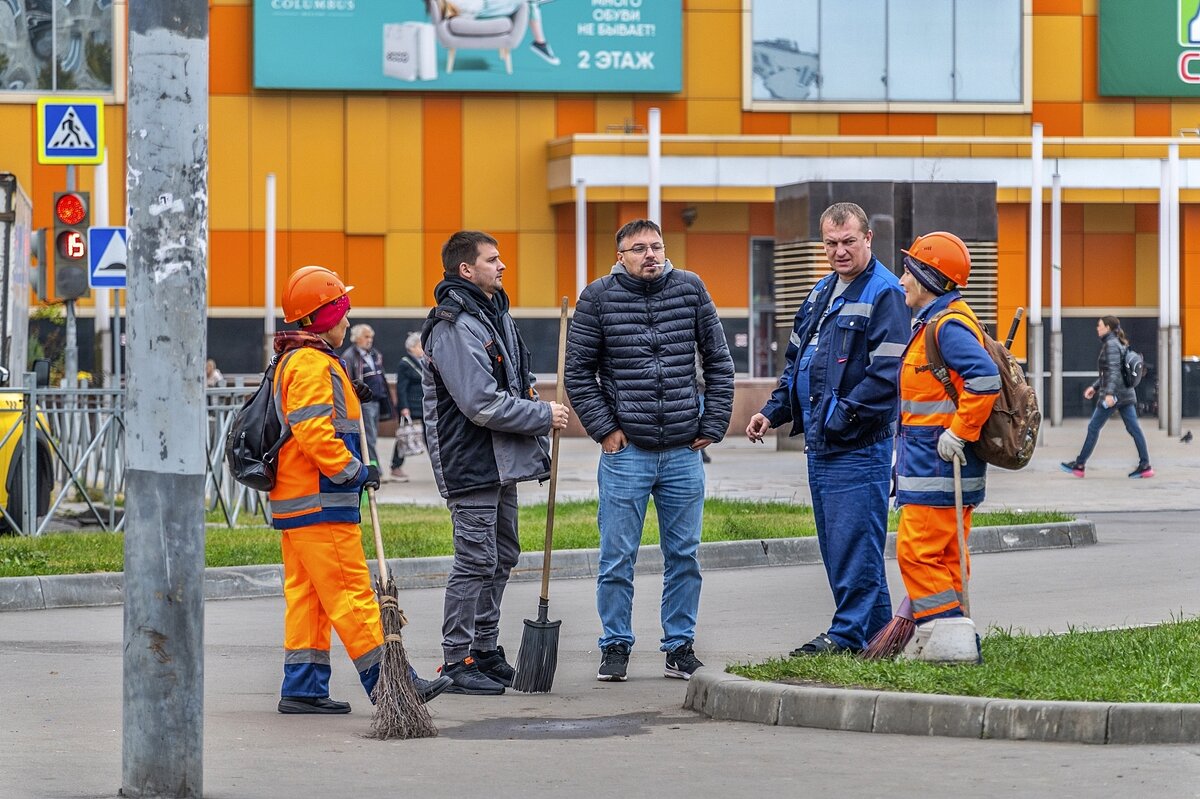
column 70, row 130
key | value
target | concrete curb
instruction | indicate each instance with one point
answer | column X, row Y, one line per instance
column 719, row 695
column 245, row 582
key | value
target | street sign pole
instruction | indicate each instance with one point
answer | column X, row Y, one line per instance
column 71, row 350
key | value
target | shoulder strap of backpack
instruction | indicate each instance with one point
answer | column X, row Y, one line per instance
column 933, row 352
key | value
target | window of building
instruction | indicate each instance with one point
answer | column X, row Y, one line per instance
column 806, row 53
column 37, row 34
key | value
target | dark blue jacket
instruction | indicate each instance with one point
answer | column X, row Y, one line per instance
column 853, row 377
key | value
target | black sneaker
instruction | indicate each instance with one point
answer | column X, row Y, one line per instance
column 546, row 52
column 821, row 645
column 682, row 663
column 1073, row 467
column 466, row 678
column 1142, row 471
column 494, row 665
column 312, row 704
column 430, row 689
column 614, row 663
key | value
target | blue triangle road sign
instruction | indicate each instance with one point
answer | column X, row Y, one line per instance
column 108, row 257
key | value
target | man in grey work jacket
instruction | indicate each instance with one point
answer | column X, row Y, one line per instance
column 486, row 430
column 839, row 387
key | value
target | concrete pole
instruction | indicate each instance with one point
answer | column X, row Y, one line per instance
column 1056, row 340
column 581, row 237
column 1174, row 336
column 167, row 185
column 654, row 167
column 102, row 298
column 269, row 276
column 1163, row 370
column 71, row 343
column 1035, row 267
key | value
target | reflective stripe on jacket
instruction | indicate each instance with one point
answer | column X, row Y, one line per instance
column 926, row 410
column 320, row 471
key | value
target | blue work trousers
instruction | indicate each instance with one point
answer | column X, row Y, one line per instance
column 627, row 479
column 850, row 502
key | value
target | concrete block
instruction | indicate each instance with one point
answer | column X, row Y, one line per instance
column 1151, row 723
column 1075, row 722
column 700, row 688
column 984, row 540
column 733, row 554
column 1083, row 532
column 750, row 700
column 21, row 593
column 930, row 714
column 82, row 590
column 416, row 572
column 792, row 551
column 889, row 547
column 828, row 708
column 1034, row 536
column 242, row 582
column 649, row 560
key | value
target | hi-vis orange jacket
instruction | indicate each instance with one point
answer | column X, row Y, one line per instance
column 926, row 410
column 320, row 471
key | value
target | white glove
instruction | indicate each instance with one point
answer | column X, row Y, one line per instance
column 951, row 446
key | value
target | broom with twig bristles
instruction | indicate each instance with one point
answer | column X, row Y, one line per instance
column 399, row 712
column 538, row 658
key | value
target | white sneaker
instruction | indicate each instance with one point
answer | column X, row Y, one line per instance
column 546, row 52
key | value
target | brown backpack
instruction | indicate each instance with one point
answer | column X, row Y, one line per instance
column 1010, row 433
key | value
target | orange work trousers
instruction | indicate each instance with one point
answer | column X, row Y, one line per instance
column 927, row 550
column 327, row 584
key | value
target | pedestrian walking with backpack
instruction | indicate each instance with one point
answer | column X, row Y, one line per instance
column 1114, row 393
column 839, row 388
column 320, row 475
column 937, row 429
column 408, row 401
column 487, row 431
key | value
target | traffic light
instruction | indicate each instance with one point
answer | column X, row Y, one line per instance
column 72, row 216
column 37, row 251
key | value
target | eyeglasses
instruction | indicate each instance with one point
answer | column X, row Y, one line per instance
column 640, row 249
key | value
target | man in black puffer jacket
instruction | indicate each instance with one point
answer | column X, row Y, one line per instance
column 631, row 377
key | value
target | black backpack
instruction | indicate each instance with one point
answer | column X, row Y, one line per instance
column 252, row 446
column 1133, row 367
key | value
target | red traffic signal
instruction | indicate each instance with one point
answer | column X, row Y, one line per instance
column 72, row 215
column 70, row 208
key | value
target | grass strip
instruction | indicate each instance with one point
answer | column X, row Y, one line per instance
column 1142, row 664
column 424, row 530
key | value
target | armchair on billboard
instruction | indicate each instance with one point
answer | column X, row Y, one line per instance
column 470, row 45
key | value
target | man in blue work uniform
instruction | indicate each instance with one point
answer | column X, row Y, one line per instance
column 839, row 388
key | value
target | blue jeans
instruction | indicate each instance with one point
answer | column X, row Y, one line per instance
column 1128, row 416
column 850, row 503
column 675, row 477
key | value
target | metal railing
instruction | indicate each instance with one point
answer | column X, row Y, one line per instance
column 79, row 449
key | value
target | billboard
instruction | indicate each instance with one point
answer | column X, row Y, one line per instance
column 1149, row 49
column 469, row 45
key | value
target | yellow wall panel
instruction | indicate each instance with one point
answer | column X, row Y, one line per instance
column 366, row 165
column 1057, row 59
column 317, row 162
column 713, row 63
column 537, row 287
column 229, row 164
column 1108, row 119
column 960, row 124
column 714, row 116
column 489, row 144
column 404, row 164
column 17, row 143
column 1108, row 218
column 721, row 218
column 402, row 283
column 1007, row 125
column 676, row 244
column 1145, row 272
column 602, row 218
column 612, row 111
column 536, row 123
column 269, row 152
column 814, row 124
column 1184, row 116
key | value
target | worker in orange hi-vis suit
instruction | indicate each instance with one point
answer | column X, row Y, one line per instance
column 934, row 431
column 320, row 476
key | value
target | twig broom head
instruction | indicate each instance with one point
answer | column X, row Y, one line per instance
column 888, row 642
column 399, row 712
column 538, row 658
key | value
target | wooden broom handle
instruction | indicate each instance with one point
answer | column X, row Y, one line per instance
column 383, row 567
column 560, row 395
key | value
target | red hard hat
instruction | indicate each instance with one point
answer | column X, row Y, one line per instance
column 308, row 289
column 944, row 252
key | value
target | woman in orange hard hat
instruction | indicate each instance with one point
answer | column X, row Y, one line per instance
column 935, row 430
column 320, row 476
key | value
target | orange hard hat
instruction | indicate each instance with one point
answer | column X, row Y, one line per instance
column 945, row 253
column 308, row 289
